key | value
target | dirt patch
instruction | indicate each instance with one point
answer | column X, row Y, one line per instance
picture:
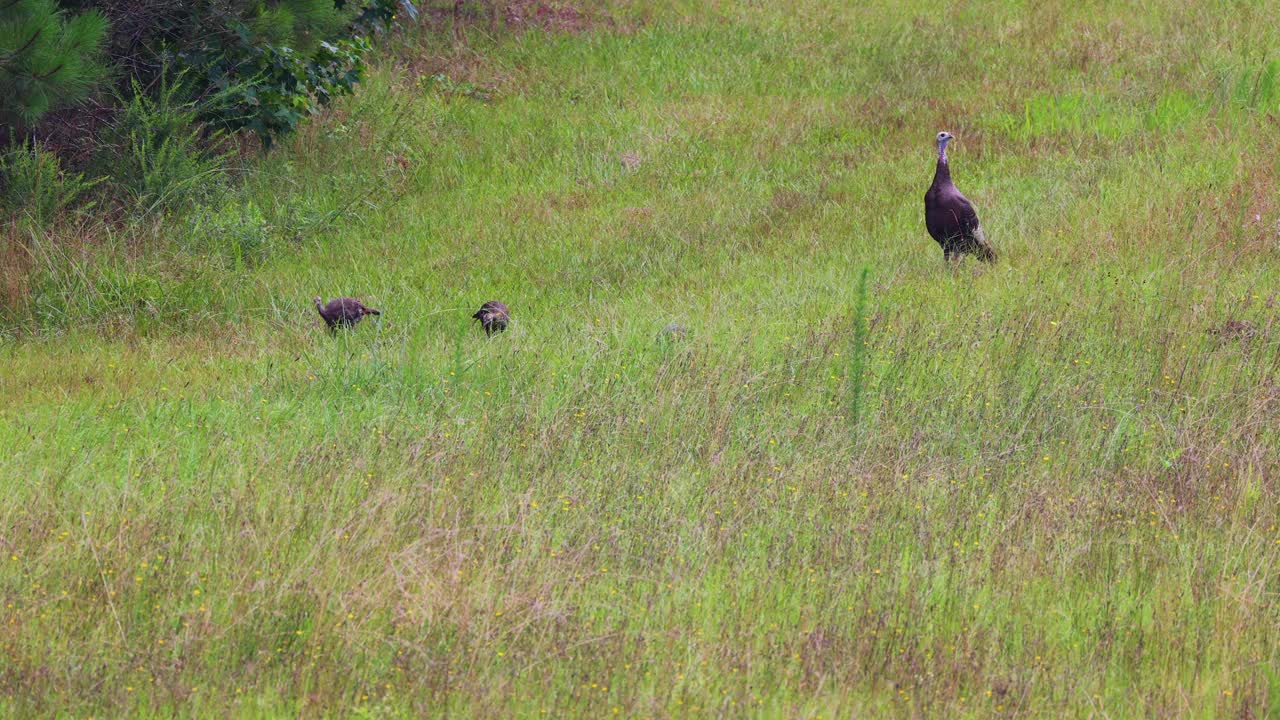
column 550, row 16
column 454, row 70
column 565, row 16
column 430, row 59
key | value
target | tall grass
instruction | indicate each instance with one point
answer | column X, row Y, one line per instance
column 858, row 349
column 1058, row 501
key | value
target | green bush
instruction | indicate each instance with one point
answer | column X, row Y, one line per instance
column 159, row 159
column 33, row 183
column 271, row 89
column 380, row 14
column 260, row 65
column 275, row 62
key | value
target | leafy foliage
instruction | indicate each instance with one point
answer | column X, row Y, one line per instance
column 275, row 63
column 380, row 14
column 273, row 88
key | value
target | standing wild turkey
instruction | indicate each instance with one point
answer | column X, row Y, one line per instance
column 343, row 312
column 493, row 317
column 949, row 215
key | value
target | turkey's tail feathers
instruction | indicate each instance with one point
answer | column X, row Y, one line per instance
column 982, row 248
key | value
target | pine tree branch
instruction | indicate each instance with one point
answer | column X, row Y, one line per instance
column 51, row 73
column 35, row 36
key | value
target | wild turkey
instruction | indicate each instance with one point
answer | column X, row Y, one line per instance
column 493, row 317
column 343, row 312
column 950, row 216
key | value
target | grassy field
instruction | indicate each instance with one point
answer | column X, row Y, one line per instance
column 1046, row 488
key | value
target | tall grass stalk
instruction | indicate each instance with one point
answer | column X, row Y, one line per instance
column 858, row 351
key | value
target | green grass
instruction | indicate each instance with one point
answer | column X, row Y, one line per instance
column 1051, row 493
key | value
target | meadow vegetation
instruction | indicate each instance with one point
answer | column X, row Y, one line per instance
column 1045, row 488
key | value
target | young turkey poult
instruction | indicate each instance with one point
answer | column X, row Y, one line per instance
column 950, row 216
column 343, row 312
column 493, row 317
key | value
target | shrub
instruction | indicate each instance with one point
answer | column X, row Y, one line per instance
column 34, row 183
column 261, row 65
column 380, row 14
column 158, row 157
column 275, row 62
column 271, row 89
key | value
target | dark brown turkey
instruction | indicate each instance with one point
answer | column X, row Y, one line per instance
column 343, row 312
column 493, row 317
column 950, row 216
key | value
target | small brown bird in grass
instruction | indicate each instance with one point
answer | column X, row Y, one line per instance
column 493, row 317
column 343, row 312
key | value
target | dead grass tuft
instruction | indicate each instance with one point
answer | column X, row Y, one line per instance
column 15, row 267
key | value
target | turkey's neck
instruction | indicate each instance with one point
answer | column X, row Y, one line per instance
column 943, row 172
